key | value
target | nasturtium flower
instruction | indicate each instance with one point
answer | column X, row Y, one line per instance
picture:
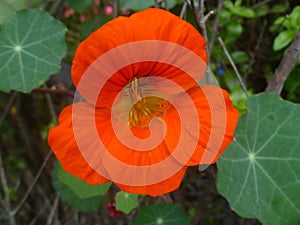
column 145, row 117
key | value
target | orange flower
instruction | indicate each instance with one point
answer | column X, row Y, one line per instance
column 146, row 119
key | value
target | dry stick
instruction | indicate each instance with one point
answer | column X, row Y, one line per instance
column 53, row 209
column 233, row 66
column 54, row 91
column 116, row 7
column 8, row 106
column 6, row 201
column 214, row 28
column 183, row 9
column 260, row 4
column 18, row 207
column 252, row 59
column 286, row 65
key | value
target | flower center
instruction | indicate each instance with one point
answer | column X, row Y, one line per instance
column 146, row 109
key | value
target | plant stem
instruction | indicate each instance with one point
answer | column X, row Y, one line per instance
column 233, row 66
column 286, row 65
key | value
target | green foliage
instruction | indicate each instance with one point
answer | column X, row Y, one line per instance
column 292, row 85
column 138, row 5
column 288, row 27
column 239, row 10
column 78, row 194
column 125, row 202
column 168, row 214
column 9, row 7
column 80, row 5
column 32, row 45
column 259, row 173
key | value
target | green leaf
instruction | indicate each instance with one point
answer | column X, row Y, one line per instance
column 233, row 31
column 244, row 12
column 80, row 5
column 278, row 9
column 67, row 195
column 81, row 188
column 240, row 57
column 8, row 7
column 283, row 39
column 262, row 11
column 168, row 214
column 259, row 172
column 32, row 44
column 295, row 16
column 136, row 5
column 125, row 202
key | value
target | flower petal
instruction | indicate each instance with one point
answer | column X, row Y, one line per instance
column 160, row 188
column 63, row 143
column 217, row 118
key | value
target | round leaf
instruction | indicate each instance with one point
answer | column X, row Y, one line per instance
column 81, row 188
column 125, row 202
column 168, row 214
column 8, row 7
column 259, row 172
column 32, row 44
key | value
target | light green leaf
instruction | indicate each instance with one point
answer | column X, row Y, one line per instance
column 8, row 7
column 81, row 188
column 244, row 12
column 32, row 44
column 278, row 9
column 125, row 202
column 295, row 16
column 259, row 173
column 136, row 5
column 262, row 11
column 168, row 214
column 283, row 39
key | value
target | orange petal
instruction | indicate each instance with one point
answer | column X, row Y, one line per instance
column 141, row 26
column 156, row 189
column 217, row 118
column 63, row 143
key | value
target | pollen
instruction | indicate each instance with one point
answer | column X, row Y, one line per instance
column 145, row 109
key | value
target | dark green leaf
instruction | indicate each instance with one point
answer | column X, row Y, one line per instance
column 80, row 5
column 125, row 202
column 240, row 57
column 259, row 172
column 169, row 214
column 278, row 9
column 32, row 44
column 136, row 5
column 262, row 11
column 67, row 195
column 283, row 39
column 8, row 7
column 81, row 188
column 233, row 31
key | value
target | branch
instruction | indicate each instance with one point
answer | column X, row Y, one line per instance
column 233, row 66
column 286, row 65
column 55, row 91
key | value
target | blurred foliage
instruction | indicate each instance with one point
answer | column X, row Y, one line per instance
column 255, row 33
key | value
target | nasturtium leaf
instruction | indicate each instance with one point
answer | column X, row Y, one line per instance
column 67, row 195
column 168, row 214
column 125, row 202
column 81, row 188
column 259, row 173
column 8, row 7
column 32, row 44
column 283, row 39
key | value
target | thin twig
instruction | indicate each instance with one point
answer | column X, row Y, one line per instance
column 286, row 65
column 54, row 91
column 233, row 66
column 116, row 6
column 6, row 201
column 51, row 107
column 214, row 28
column 8, row 106
column 260, row 4
column 53, row 209
column 18, row 207
column 183, row 9
column 259, row 40
column 56, row 5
